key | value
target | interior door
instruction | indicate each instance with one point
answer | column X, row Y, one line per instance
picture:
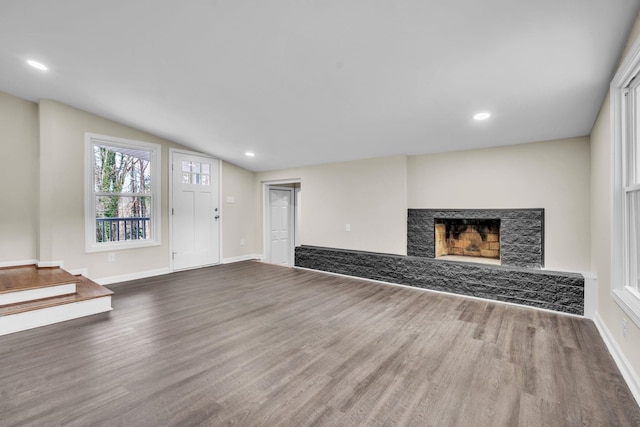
column 281, row 226
column 195, row 211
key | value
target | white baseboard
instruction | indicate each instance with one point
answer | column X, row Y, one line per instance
column 79, row 272
column 43, row 264
column 18, row 263
column 241, row 258
column 627, row 371
column 50, row 315
column 131, row 276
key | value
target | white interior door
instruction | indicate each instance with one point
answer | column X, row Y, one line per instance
column 195, row 211
column 281, row 226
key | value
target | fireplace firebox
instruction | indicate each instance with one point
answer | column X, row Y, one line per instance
column 461, row 237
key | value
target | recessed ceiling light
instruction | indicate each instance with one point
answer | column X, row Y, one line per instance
column 249, row 154
column 38, row 65
column 481, row 116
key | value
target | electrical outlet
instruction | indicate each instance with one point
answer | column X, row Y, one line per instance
column 624, row 328
column 241, row 242
column 111, row 257
column 347, row 227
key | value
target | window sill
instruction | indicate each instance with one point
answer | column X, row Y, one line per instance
column 629, row 302
column 117, row 246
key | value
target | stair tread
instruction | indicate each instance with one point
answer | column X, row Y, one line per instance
column 27, row 277
column 86, row 289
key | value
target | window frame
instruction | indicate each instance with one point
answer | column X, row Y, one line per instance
column 155, row 157
column 624, row 143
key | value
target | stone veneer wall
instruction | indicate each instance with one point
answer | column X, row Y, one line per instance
column 521, row 233
column 559, row 291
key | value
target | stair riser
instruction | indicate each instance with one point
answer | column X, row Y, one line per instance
column 50, row 315
column 36, row 294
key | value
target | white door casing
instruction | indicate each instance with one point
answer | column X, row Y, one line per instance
column 195, row 209
column 280, row 225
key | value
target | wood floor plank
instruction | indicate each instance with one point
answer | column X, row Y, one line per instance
column 253, row 344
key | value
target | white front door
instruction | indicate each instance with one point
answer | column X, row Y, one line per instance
column 281, row 226
column 195, row 211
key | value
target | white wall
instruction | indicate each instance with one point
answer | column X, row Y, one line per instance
column 42, row 193
column 553, row 175
column 18, row 180
column 62, row 198
column 62, row 194
column 601, row 202
column 370, row 195
column 241, row 218
column 373, row 195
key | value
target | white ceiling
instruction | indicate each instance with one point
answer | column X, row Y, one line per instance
column 308, row 82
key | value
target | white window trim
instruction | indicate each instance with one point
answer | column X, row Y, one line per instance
column 627, row 298
column 89, row 201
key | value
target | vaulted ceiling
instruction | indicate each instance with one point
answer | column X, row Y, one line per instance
column 308, row 82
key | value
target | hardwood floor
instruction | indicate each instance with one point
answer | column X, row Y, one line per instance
column 85, row 290
column 27, row 277
column 254, row 344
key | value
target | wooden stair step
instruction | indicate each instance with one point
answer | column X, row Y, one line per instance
column 25, row 277
column 86, row 289
column 29, row 282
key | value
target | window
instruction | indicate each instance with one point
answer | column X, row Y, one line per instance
column 625, row 265
column 122, row 206
column 631, row 184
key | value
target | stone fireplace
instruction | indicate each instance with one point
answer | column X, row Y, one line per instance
column 462, row 237
column 520, row 240
column 516, row 236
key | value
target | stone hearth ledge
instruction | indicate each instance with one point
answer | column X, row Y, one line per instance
column 552, row 290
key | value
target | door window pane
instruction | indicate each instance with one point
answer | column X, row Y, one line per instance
column 196, row 173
